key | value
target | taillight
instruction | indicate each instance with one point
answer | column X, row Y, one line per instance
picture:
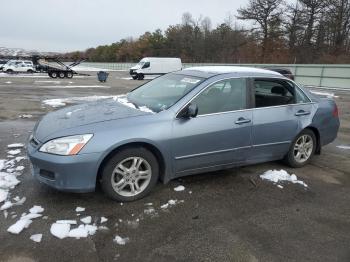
column 335, row 112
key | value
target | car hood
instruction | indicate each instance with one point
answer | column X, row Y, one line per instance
column 83, row 114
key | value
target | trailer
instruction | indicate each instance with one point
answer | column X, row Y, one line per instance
column 56, row 68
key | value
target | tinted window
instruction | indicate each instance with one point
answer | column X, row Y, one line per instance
column 226, row 95
column 273, row 93
column 146, row 65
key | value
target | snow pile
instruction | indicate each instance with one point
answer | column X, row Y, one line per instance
column 8, row 177
column 179, row 188
column 26, row 220
column 121, row 241
column 341, row 147
column 62, row 228
column 277, row 177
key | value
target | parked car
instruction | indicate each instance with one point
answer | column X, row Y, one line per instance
column 13, row 66
column 283, row 71
column 155, row 66
column 192, row 121
column 2, row 63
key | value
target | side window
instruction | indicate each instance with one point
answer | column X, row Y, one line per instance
column 224, row 96
column 300, row 97
column 273, row 93
column 146, row 65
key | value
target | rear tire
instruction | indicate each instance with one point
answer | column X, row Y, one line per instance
column 130, row 174
column 61, row 75
column 134, row 77
column 9, row 71
column 302, row 149
column 140, row 76
column 30, row 71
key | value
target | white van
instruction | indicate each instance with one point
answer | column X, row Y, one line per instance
column 155, row 66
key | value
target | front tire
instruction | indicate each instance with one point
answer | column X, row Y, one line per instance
column 69, row 74
column 302, row 149
column 53, row 74
column 130, row 174
column 140, row 76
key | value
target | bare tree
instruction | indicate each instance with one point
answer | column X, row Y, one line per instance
column 265, row 13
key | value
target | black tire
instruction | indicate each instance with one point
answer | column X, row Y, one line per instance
column 69, row 74
column 109, row 167
column 140, row 76
column 291, row 160
column 30, row 71
column 53, row 74
column 61, row 75
column 134, row 77
column 9, row 71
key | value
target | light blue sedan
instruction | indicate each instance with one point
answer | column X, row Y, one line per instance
column 192, row 121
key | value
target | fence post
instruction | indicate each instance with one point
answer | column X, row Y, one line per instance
column 321, row 77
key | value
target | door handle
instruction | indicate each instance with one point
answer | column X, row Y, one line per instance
column 302, row 113
column 242, row 120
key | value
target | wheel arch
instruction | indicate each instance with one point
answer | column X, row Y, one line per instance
column 318, row 138
column 152, row 148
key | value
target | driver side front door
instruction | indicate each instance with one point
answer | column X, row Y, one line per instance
column 221, row 132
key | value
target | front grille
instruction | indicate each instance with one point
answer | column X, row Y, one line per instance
column 47, row 174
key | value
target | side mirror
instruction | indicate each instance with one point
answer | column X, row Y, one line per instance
column 191, row 110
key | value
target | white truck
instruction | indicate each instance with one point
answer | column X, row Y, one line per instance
column 155, row 66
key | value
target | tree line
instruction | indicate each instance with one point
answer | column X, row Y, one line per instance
column 306, row 31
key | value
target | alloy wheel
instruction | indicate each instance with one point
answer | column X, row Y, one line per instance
column 303, row 148
column 131, row 176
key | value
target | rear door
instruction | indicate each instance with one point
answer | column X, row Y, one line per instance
column 278, row 111
column 220, row 134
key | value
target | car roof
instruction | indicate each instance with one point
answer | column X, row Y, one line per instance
column 240, row 71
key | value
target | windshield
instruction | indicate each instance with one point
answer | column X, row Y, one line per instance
column 162, row 92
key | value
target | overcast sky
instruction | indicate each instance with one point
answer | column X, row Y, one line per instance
column 68, row 25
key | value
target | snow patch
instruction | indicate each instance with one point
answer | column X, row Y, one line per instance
column 86, row 220
column 36, row 209
column 15, row 145
column 19, row 226
column 14, row 152
column 36, row 238
column 330, row 95
column 103, row 220
column 179, row 188
column 121, row 241
column 60, row 230
column 278, row 176
column 344, row 147
column 80, row 209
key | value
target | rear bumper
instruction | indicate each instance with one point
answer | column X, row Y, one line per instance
column 66, row 173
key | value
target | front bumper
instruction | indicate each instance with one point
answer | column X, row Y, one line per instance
column 66, row 173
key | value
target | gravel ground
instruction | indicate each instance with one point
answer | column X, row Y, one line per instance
column 230, row 215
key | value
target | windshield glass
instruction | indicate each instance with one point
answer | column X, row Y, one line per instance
column 162, row 92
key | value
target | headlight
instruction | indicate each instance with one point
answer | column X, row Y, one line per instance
column 69, row 145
